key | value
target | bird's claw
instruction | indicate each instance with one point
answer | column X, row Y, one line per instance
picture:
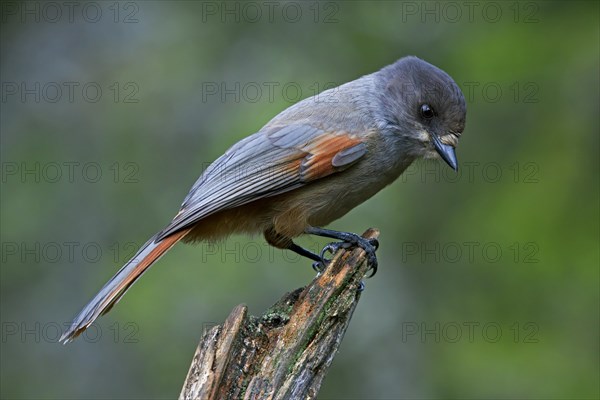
column 319, row 266
column 374, row 242
column 370, row 246
column 361, row 287
column 332, row 248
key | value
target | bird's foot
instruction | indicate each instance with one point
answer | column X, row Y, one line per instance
column 349, row 240
column 330, row 248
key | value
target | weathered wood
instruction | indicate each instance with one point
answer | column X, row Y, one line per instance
column 286, row 352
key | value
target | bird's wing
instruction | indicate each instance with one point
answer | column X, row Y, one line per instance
column 267, row 163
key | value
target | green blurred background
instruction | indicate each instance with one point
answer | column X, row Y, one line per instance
column 489, row 280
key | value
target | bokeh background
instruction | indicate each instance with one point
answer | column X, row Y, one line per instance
column 489, row 279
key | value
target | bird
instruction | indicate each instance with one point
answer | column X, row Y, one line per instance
column 308, row 166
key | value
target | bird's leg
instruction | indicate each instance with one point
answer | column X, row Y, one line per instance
column 319, row 262
column 347, row 240
column 283, row 242
column 303, row 252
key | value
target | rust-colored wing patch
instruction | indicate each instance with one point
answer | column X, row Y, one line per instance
column 330, row 153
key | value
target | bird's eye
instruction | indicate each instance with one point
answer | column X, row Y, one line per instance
column 426, row 111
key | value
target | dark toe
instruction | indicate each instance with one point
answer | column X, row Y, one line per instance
column 319, row 266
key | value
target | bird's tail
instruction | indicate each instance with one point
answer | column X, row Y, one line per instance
column 116, row 287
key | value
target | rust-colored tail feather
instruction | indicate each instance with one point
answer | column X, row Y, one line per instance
column 116, row 287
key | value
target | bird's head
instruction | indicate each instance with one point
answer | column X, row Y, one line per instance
column 423, row 107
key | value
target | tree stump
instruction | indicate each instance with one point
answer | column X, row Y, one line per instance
column 286, row 352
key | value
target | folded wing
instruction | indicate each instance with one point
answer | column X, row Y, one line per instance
column 265, row 164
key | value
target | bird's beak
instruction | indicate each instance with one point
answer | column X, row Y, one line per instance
column 445, row 151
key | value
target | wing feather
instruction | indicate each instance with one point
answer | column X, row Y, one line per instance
column 265, row 164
